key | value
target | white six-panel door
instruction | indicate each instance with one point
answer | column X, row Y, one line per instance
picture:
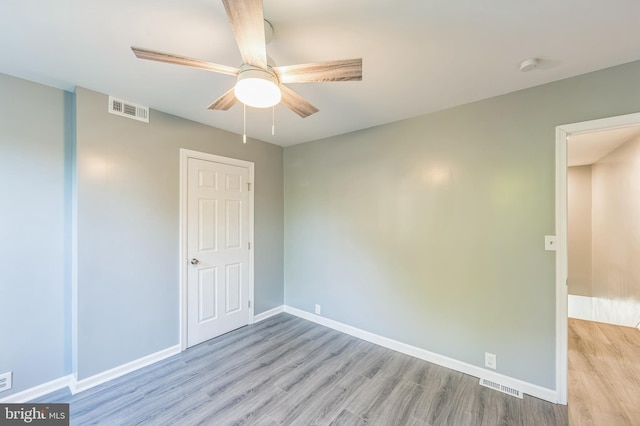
column 217, row 249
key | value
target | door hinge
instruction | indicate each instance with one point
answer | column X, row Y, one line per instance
column 249, row 303
column 248, row 186
column 249, row 245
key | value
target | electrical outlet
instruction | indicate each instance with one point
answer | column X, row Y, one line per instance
column 5, row 381
column 490, row 360
column 318, row 309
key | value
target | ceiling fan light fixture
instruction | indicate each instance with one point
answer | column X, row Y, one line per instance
column 257, row 88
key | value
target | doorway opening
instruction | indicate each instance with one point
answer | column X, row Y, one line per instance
column 565, row 133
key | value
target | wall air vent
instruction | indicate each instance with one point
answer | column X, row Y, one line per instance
column 128, row 109
column 501, row 388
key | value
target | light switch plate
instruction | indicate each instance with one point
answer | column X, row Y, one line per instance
column 550, row 242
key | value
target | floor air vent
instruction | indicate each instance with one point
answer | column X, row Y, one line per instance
column 501, row 388
column 128, row 109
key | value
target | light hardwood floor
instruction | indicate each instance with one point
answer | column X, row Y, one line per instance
column 288, row 371
column 604, row 374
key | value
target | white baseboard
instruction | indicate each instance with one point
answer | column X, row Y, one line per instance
column 267, row 314
column 76, row 386
column 526, row 387
column 36, row 392
column 610, row 311
column 98, row 379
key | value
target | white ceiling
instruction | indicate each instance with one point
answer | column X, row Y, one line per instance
column 418, row 56
column 587, row 148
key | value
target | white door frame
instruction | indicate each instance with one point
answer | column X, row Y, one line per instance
column 185, row 154
column 562, row 132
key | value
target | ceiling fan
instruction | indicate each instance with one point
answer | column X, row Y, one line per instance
column 256, row 76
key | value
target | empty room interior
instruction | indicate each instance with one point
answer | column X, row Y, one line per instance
column 602, row 285
column 434, row 221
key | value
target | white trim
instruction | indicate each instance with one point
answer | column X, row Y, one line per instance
column 562, row 132
column 182, row 252
column 185, row 154
column 561, row 266
column 37, row 391
column 611, row 311
column 528, row 388
column 76, row 386
column 81, row 385
column 268, row 314
column 580, row 307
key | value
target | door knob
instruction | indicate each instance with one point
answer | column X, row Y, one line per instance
column 194, row 261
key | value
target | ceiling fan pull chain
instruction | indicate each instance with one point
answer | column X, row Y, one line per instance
column 244, row 125
column 273, row 121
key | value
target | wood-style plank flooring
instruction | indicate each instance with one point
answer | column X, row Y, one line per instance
column 604, row 374
column 288, row 371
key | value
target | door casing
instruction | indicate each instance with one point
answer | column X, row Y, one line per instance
column 562, row 329
column 185, row 154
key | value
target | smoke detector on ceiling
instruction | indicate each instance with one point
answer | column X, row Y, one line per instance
column 529, row 64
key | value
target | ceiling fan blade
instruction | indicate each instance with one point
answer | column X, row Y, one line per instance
column 345, row 70
column 296, row 103
column 225, row 101
column 247, row 22
column 153, row 55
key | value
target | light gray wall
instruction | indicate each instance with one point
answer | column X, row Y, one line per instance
column 616, row 224
column 33, row 297
column 579, row 230
column 431, row 230
column 128, row 228
column 56, row 148
column 428, row 231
